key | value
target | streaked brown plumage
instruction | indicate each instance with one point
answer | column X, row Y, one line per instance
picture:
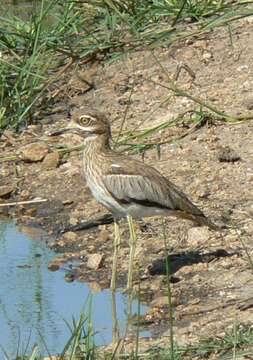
column 126, row 186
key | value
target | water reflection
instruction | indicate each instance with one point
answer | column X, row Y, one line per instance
column 35, row 303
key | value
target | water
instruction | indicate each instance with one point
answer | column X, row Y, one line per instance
column 34, row 302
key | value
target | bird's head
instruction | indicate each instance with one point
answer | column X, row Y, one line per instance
column 89, row 122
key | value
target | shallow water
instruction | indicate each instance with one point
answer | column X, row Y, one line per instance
column 35, row 303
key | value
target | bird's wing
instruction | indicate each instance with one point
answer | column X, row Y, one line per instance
column 137, row 182
column 129, row 180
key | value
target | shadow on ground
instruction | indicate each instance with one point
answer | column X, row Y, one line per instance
column 177, row 261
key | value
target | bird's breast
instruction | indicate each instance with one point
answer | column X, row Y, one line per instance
column 94, row 179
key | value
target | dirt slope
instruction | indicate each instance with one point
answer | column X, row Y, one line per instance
column 213, row 281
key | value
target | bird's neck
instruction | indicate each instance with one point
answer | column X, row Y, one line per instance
column 96, row 144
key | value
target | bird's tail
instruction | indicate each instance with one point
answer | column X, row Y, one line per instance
column 201, row 220
column 204, row 221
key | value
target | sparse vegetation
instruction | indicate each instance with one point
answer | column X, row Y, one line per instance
column 37, row 51
column 34, row 55
column 237, row 342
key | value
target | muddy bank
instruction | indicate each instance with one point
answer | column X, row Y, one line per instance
column 212, row 278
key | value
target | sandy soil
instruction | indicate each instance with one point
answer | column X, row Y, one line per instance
column 212, row 278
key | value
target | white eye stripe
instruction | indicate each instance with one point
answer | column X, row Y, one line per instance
column 84, row 127
column 86, row 117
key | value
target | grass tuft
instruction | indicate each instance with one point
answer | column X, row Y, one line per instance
column 37, row 49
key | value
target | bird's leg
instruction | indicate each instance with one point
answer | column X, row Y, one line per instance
column 115, row 322
column 115, row 254
column 132, row 251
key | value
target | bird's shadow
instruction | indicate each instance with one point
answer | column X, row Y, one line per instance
column 175, row 262
column 87, row 225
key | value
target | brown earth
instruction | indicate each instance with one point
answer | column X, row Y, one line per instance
column 212, row 279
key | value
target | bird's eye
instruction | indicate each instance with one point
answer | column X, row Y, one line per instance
column 84, row 120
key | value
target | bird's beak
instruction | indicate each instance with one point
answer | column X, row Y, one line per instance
column 72, row 127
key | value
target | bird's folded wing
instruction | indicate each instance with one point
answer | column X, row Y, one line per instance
column 137, row 188
column 144, row 185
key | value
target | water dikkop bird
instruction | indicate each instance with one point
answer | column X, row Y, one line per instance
column 125, row 186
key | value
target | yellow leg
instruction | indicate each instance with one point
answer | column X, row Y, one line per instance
column 115, row 255
column 115, row 323
column 132, row 252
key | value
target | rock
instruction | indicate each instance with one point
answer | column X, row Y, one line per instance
column 242, row 68
column 73, row 220
column 46, row 209
column 51, row 160
column 25, row 195
column 248, row 103
column 226, row 154
column 34, row 152
column 160, row 301
column 31, row 231
column 72, row 139
column 53, row 267
column 56, row 263
column 203, row 191
column 201, row 44
column 31, row 212
column 95, row 287
column 67, row 202
column 69, row 277
column 9, row 134
column 104, row 235
column 198, row 235
column 69, row 237
column 82, row 253
column 6, row 190
column 95, row 261
column 207, row 55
